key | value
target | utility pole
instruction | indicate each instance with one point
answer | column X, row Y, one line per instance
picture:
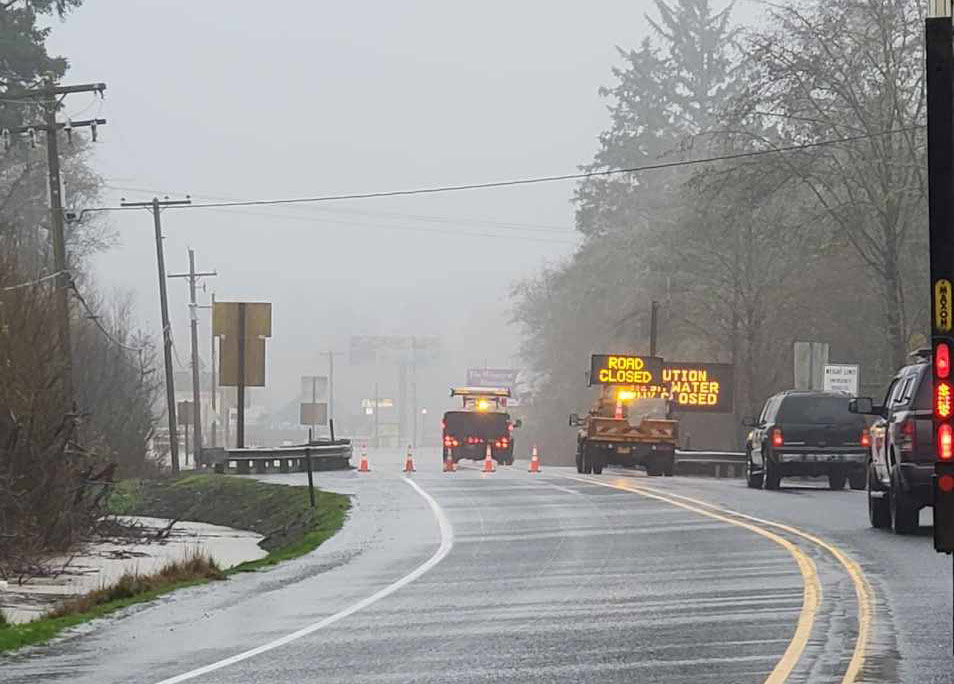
column 331, row 382
column 653, row 326
column 155, row 206
column 194, row 325
column 377, row 407
column 213, row 390
column 50, row 96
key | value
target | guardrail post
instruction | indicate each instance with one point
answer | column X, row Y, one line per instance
column 311, row 481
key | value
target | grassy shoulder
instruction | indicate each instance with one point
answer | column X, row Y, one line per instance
column 282, row 514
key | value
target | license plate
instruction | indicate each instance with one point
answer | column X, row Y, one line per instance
column 622, row 450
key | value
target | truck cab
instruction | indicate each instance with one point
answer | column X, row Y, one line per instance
column 482, row 420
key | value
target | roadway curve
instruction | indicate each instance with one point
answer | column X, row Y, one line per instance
column 513, row 577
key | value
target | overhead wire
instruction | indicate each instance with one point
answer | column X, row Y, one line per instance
column 428, row 218
column 93, row 316
column 31, row 283
column 535, row 180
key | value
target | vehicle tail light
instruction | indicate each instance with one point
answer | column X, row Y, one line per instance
column 450, row 441
column 777, row 439
column 942, row 361
column 502, row 443
column 510, row 427
column 909, row 432
column 865, row 438
column 943, row 398
column 945, row 442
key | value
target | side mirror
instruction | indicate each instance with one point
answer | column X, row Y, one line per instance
column 574, row 419
column 863, row 405
column 749, row 421
column 518, row 423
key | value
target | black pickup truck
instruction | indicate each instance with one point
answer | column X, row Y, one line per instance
column 807, row 433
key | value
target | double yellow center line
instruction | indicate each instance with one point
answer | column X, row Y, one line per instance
column 813, row 592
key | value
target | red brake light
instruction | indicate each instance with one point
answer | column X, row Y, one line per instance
column 777, row 439
column 907, row 428
column 945, row 483
column 942, row 361
column 945, row 442
column 865, row 438
column 943, row 406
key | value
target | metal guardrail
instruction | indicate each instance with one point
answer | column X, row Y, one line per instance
column 288, row 459
column 712, row 463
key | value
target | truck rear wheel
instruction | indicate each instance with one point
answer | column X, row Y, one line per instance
column 654, row 467
column 597, row 464
column 579, row 459
column 670, row 468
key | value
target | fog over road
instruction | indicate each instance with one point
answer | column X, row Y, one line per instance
column 552, row 578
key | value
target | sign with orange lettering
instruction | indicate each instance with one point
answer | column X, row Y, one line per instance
column 625, row 369
column 704, row 387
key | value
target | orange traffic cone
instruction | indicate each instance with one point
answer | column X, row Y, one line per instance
column 490, row 465
column 363, row 466
column 535, row 461
column 449, row 465
column 409, row 461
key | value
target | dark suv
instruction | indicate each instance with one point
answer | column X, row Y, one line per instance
column 807, row 433
column 901, row 462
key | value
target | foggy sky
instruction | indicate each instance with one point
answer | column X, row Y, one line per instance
column 282, row 99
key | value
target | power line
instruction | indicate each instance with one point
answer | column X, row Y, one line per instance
column 427, row 218
column 95, row 318
column 536, row 180
column 31, row 283
column 425, row 229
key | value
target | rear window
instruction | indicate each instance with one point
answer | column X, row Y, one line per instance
column 923, row 401
column 474, row 424
column 817, row 410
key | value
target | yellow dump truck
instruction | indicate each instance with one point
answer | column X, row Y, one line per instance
column 625, row 427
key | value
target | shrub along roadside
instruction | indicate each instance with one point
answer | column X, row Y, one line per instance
column 282, row 514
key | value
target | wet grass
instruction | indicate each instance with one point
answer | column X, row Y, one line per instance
column 129, row 589
column 282, row 514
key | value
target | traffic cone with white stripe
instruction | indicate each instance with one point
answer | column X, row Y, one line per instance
column 409, row 461
column 490, row 465
column 363, row 466
column 534, row 460
column 449, row 465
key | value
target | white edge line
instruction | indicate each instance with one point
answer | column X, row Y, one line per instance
column 447, row 543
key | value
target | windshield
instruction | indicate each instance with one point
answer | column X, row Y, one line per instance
column 817, row 410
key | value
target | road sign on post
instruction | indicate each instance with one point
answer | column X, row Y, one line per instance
column 313, row 413
column 841, row 377
column 242, row 328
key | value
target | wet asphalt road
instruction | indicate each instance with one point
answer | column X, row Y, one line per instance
column 547, row 578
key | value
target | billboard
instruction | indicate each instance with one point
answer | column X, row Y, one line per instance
column 625, row 369
column 491, row 377
column 371, row 348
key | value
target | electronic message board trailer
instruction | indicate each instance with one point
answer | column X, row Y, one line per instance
column 606, row 436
